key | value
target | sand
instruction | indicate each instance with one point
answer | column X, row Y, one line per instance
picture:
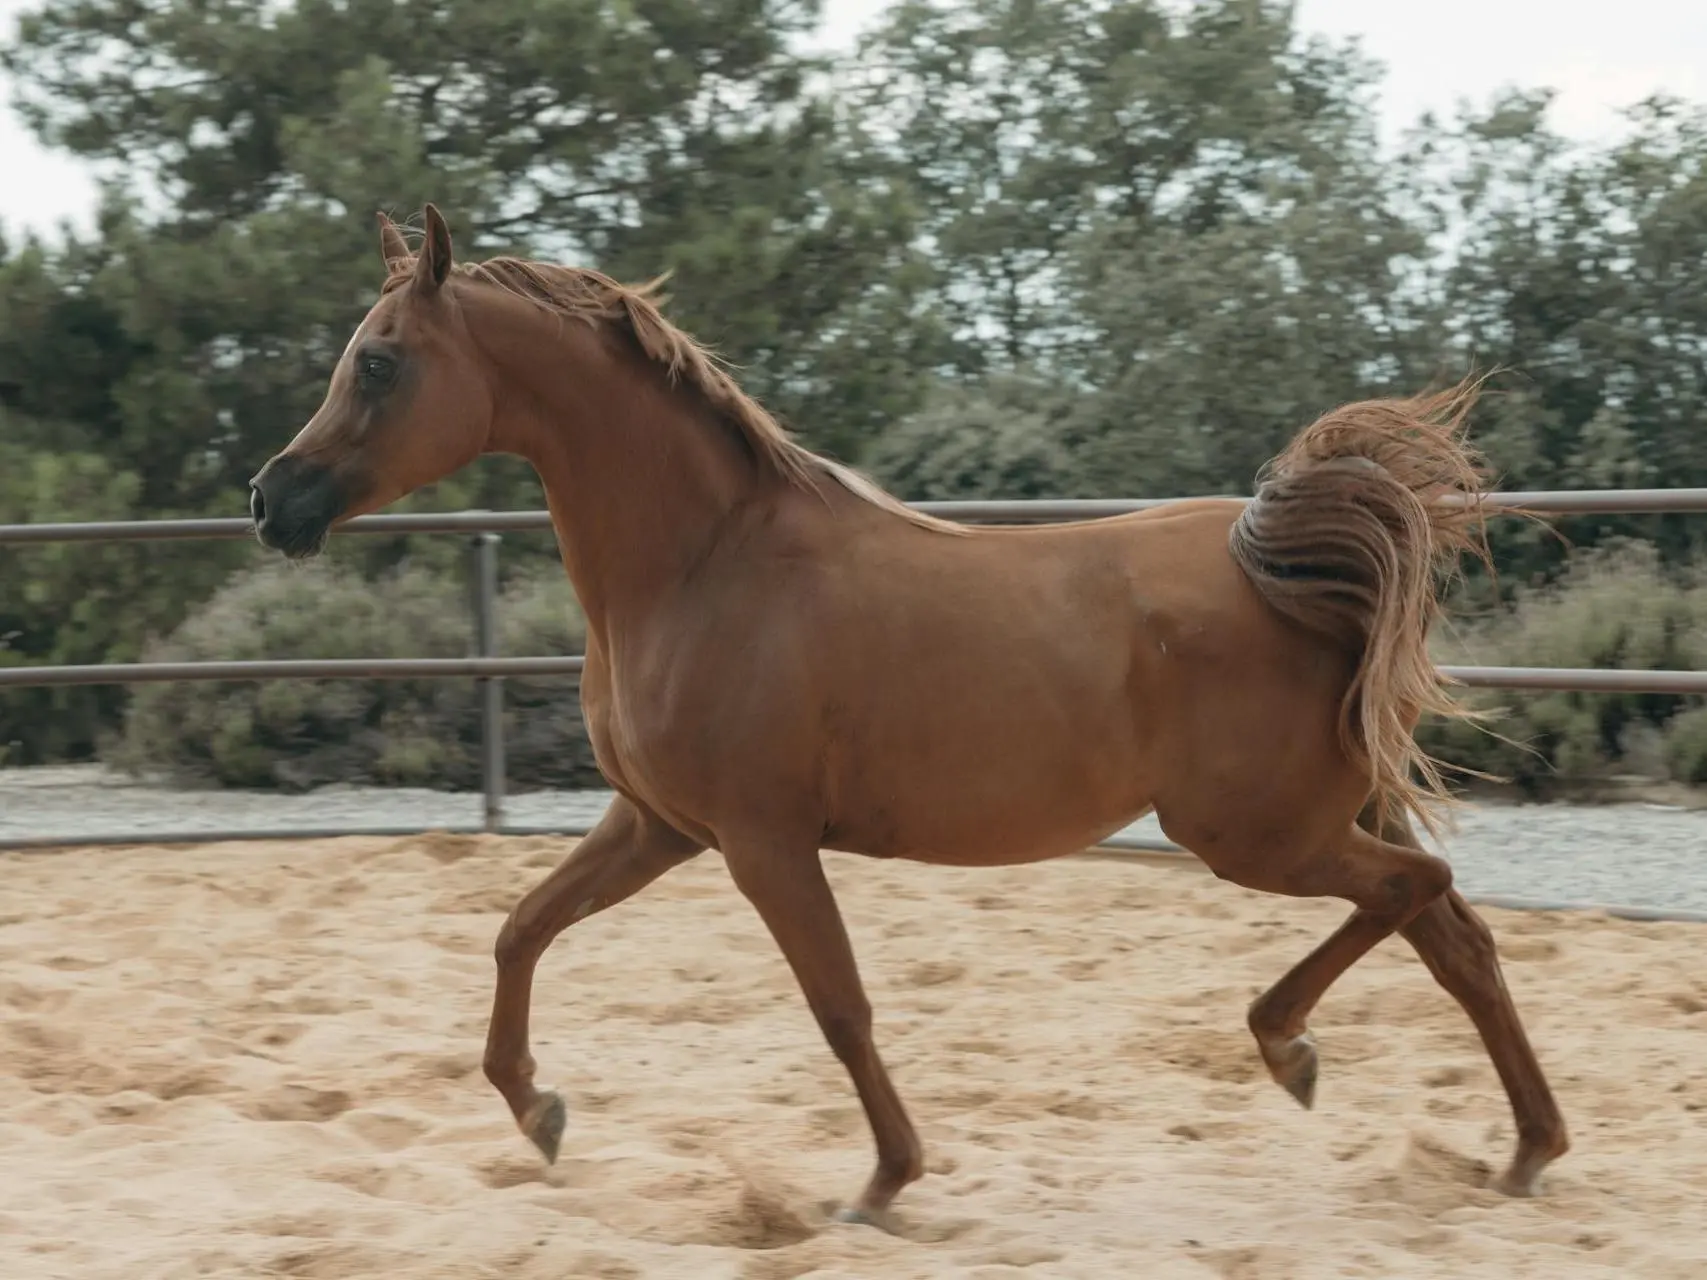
column 264, row 1060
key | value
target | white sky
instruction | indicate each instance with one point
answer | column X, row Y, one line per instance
column 1600, row 55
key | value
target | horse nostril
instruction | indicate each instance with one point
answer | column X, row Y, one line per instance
column 257, row 505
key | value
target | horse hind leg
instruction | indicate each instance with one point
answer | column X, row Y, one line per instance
column 1398, row 887
column 1458, row 949
column 1389, row 884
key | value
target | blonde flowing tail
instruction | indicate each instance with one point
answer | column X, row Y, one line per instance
column 1352, row 533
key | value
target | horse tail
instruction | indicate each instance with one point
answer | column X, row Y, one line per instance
column 1352, row 533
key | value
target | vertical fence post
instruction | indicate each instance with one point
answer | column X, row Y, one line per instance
column 491, row 689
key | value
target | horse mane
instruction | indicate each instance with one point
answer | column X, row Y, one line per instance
column 580, row 293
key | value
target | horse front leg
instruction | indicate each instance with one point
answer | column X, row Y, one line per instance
column 625, row 852
column 787, row 887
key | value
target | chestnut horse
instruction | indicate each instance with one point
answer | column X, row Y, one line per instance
column 783, row 658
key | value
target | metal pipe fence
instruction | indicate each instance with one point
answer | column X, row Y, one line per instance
column 1558, row 502
column 489, row 670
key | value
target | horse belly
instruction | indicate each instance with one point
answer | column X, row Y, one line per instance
column 985, row 800
column 1000, row 846
column 989, row 837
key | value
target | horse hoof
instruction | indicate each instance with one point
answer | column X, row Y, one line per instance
column 866, row 1218
column 1294, row 1067
column 1518, row 1184
column 544, row 1125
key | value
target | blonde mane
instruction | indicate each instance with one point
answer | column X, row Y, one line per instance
column 579, row 293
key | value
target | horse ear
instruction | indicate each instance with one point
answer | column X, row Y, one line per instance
column 432, row 264
column 392, row 247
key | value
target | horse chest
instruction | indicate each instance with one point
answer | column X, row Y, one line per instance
column 652, row 759
column 700, row 740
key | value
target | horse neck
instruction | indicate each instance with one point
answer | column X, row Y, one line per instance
column 639, row 477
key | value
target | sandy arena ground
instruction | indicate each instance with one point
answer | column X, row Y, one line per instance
column 263, row 1060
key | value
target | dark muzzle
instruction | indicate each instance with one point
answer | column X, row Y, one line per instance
column 293, row 504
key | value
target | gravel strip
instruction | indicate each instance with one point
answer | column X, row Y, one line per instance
column 1644, row 855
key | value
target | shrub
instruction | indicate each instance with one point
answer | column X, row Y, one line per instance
column 81, row 602
column 1613, row 606
column 298, row 734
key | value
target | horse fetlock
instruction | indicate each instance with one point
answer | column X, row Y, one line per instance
column 895, row 1170
column 1544, row 1142
column 904, row 1169
column 509, row 1074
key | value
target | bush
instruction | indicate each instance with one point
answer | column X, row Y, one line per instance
column 81, row 602
column 1614, row 606
column 298, row 734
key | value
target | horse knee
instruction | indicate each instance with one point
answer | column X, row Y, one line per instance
column 515, row 942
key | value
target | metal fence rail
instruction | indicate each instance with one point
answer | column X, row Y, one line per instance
column 488, row 669
column 1558, row 502
column 289, row 669
column 1573, row 679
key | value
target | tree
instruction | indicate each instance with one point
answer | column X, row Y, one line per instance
column 642, row 137
column 1178, row 215
column 1005, row 436
column 1584, row 272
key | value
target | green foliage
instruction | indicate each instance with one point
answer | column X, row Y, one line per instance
column 1176, row 213
column 1616, row 606
column 1179, row 215
column 677, row 135
column 80, row 602
column 298, row 734
column 998, row 438
column 1584, row 271
column 1686, row 747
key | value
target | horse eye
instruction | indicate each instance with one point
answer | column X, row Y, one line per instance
column 374, row 371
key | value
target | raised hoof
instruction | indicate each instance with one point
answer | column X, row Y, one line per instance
column 1294, row 1066
column 544, row 1125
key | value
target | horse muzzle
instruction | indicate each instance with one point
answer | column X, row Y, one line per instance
column 292, row 504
